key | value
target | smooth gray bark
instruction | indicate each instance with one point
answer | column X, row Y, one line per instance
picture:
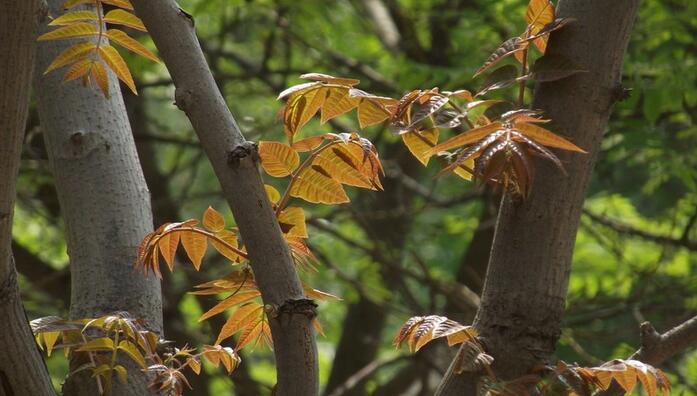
column 104, row 199
column 235, row 163
column 525, row 289
column 22, row 369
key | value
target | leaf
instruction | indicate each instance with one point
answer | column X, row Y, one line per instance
column 309, row 144
column 318, row 327
column 168, row 247
column 545, row 137
column 507, row 48
column 330, row 79
column 434, row 103
column 213, row 220
column 229, row 302
column 239, row 319
column 121, row 373
column 302, row 105
column 78, row 69
column 420, row 330
column 467, row 137
column 538, row 14
column 194, row 365
column 344, row 162
column 195, row 245
column 119, row 3
column 292, row 220
column 552, row 68
column 278, row 159
column 272, row 193
column 71, row 54
column 502, row 77
column 133, row 352
column 98, row 344
column 73, row 3
column 250, row 334
column 231, row 239
column 337, row 103
column 116, row 63
column 121, row 38
column 420, row 142
column 50, row 338
column 125, row 18
column 315, row 185
column 75, row 16
column 372, row 109
column 100, row 77
column 318, row 294
column 82, row 29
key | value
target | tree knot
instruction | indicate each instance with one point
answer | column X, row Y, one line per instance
column 183, row 98
column 300, row 306
column 620, row 93
column 245, row 151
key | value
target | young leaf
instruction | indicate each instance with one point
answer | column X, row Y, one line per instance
column 372, row 109
column 125, row 18
column 292, row 221
column 240, row 319
column 229, row 302
column 545, row 137
column 100, row 76
column 551, row 68
column 230, row 239
column 119, row 3
column 467, row 137
column 278, row 159
column 420, row 142
column 72, row 54
column 78, row 69
column 272, row 193
column 538, row 14
column 195, row 246
column 315, row 185
column 98, row 344
column 133, row 352
column 116, row 63
column 121, row 38
column 82, row 29
column 330, row 79
column 337, row 103
column 507, row 48
column 168, row 247
column 71, row 17
column 502, row 77
column 213, row 220
column 310, row 143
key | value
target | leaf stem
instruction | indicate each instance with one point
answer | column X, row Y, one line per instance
column 462, row 112
column 521, row 84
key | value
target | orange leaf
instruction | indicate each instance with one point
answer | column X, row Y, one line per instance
column 466, row 137
column 539, row 14
column 71, row 54
column 272, row 193
column 278, row 159
column 330, row 79
column 78, row 69
column 101, row 77
column 240, row 319
column 337, row 103
column 315, row 185
column 125, row 18
column 116, row 63
column 231, row 239
column 545, row 137
column 250, row 334
column 420, row 142
column 71, row 17
column 213, row 220
column 121, row 38
column 81, row 29
column 195, row 245
column 168, row 247
column 310, row 143
column 292, row 220
column 229, row 302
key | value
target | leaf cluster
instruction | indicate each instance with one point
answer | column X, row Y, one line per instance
column 93, row 55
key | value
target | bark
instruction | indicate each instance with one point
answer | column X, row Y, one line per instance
column 104, row 199
column 524, row 293
column 22, row 368
column 235, row 163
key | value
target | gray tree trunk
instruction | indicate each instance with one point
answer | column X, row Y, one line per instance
column 525, row 289
column 22, row 369
column 104, row 199
column 235, row 163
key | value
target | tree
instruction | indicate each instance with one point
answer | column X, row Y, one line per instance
column 520, row 337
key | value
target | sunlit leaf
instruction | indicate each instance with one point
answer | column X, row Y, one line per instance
column 213, row 220
column 420, row 142
column 121, row 38
column 315, row 185
column 229, row 302
column 82, row 29
column 75, row 16
column 133, row 352
column 195, row 246
column 116, row 63
column 292, row 221
column 125, row 18
column 71, row 54
column 278, row 159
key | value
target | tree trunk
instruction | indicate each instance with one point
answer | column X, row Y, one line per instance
column 235, row 163
column 104, row 199
column 519, row 319
column 22, row 368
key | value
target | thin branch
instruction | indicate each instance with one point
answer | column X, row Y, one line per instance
column 630, row 230
column 365, row 373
